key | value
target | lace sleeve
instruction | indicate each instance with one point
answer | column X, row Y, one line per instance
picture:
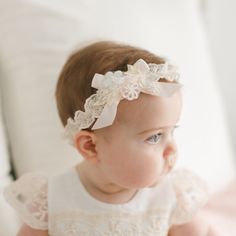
column 28, row 195
column 191, row 194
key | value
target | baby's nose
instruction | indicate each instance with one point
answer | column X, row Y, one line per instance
column 170, row 150
column 170, row 154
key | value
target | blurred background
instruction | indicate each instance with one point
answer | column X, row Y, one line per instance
column 37, row 36
column 220, row 19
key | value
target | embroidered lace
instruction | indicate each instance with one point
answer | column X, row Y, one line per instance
column 28, row 196
column 115, row 86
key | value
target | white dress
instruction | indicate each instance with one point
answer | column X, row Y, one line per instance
column 61, row 205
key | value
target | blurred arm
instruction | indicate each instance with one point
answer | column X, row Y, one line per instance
column 28, row 231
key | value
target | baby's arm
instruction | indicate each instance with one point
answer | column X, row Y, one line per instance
column 197, row 227
column 28, row 231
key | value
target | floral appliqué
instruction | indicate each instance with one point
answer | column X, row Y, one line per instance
column 155, row 222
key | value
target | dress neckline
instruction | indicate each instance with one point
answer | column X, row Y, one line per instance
column 133, row 202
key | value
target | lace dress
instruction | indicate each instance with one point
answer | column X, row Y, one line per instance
column 61, row 205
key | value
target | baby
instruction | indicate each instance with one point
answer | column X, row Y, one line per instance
column 120, row 106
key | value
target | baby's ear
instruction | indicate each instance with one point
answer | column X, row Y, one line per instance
column 86, row 144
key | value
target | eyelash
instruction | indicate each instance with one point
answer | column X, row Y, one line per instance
column 159, row 135
column 155, row 135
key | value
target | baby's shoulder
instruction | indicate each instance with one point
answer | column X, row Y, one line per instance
column 28, row 195
column 184, row 180
column 191, row 193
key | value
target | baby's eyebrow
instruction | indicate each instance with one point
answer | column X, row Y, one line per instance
column 152, row 129
column 157, row 128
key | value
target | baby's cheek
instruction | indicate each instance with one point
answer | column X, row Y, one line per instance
column 148, row 169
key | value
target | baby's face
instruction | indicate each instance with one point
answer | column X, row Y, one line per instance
column 134, row 150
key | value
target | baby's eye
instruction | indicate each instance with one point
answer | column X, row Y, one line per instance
column 154, row 139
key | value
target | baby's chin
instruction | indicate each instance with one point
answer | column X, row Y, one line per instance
column 158, row 181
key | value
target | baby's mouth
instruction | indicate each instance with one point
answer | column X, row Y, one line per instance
column 166, row 169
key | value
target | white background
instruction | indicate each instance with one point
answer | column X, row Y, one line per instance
column 220, row 18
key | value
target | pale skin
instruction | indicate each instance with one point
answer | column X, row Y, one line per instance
column 131, row 154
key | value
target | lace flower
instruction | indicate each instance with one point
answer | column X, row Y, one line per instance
column 114, row 86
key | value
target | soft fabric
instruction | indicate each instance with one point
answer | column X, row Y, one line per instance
column 220, row 211
column 9, row 221
column 4, row 154
column 38, row 35
column 220, row 22
column 61, row 204
column 6, row 213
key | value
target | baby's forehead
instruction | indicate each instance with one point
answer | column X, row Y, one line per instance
column 148, row 110
column 129, row 111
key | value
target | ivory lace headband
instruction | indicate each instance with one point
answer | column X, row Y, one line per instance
column 115, row 86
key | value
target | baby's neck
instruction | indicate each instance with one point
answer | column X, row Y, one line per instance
column 101, row 188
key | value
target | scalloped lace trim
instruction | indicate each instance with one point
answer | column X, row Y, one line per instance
column 32, row 204
column 191, row 194
column 152, row 223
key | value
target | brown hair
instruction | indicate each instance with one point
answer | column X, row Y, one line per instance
column 74, row 83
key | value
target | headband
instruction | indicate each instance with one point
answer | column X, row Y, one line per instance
column 117, row 85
